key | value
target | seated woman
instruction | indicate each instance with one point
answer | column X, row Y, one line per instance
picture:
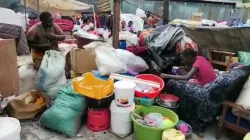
column 200, row 68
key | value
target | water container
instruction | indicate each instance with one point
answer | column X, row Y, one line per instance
column 124, row 93
column 10, row 128
column 123, row 45
column 172, row 134
column 121, row 122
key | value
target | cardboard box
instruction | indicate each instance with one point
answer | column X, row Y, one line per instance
column 82, row 60
column 9, row 82
column 198, row 17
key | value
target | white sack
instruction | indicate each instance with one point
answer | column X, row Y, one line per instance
column 65, row 48
column 84, row 34
column 128, row 37
column 107, row 62
column 27, row 75
column 135, row 63
column 51, row 75
column 244, row 99
column 141, row 13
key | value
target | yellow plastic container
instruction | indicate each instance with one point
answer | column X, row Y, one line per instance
column 172, row 134
column 92, row 87
column 247, row 137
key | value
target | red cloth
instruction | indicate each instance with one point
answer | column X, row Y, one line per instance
column 139, row 51
column 205, row 73
column 144, row 34
column 95, row 33
column 98, row 23
column 64, row 24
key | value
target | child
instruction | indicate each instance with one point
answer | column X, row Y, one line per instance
column 200, row 68
column 123, row 26
column 131, row 27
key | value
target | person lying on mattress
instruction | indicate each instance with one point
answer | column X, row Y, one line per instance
column 200, row 68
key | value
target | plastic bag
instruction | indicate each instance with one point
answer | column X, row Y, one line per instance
column 51, row 75
column 85, row 34
column 27, row 75
column 65, row 48
column 131, row 39
column 135, row 63
column 138, row 22
column 107, row 62
column 66, row 114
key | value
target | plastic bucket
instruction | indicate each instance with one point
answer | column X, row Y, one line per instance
column 121, row 122
column 156, row 92
column 124, row 93
column 143, row 132
column 10, row 128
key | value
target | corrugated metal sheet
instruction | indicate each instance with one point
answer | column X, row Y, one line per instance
column 12, row 1
column 7, row 3
column 4, row 3
column 181, row 10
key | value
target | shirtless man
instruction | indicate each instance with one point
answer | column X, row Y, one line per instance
column 43, row 36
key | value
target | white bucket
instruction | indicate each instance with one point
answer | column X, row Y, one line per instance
column 121, row 122
column 10, row 128
column 124, row 93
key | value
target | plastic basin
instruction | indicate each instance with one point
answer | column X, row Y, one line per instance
column 156, row 92
column 143, row 132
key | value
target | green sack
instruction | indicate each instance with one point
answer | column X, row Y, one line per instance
column 66, row 113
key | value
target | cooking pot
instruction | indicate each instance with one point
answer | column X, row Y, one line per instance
column 168, row 100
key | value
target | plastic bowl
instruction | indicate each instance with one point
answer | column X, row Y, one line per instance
column 143, row 132
column 188, row 134
column 156, row 92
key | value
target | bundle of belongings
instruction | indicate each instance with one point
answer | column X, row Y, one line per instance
column 165, row 45
column 28, row 105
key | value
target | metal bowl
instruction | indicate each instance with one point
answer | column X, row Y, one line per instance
column 168, row 100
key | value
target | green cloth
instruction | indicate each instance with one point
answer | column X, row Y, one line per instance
column 244, row 57
column 66, row 113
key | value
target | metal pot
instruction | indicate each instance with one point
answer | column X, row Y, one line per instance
column 169, row 100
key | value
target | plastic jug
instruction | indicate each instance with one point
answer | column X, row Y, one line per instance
column 172, row 134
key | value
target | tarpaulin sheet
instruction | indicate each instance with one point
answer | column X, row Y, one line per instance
column 228, row 39
column 163, row 39
column 65, row 7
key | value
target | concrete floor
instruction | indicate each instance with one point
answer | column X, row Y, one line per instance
column 31, row 130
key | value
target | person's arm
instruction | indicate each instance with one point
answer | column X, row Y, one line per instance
column 39, row 47
column 180, row 77
column 58, row 36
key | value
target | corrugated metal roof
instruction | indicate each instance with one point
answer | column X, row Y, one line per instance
column 226, row 1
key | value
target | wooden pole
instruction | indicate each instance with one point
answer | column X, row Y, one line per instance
column 38, row 7
column 25, row 12
column 116, row 23
column 166, row 12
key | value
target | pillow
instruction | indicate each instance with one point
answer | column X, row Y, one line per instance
column 244, row 57
column 243, row 99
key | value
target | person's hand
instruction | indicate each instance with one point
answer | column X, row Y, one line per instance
column 50, row 36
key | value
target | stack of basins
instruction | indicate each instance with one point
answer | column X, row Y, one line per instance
column 148, row 98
